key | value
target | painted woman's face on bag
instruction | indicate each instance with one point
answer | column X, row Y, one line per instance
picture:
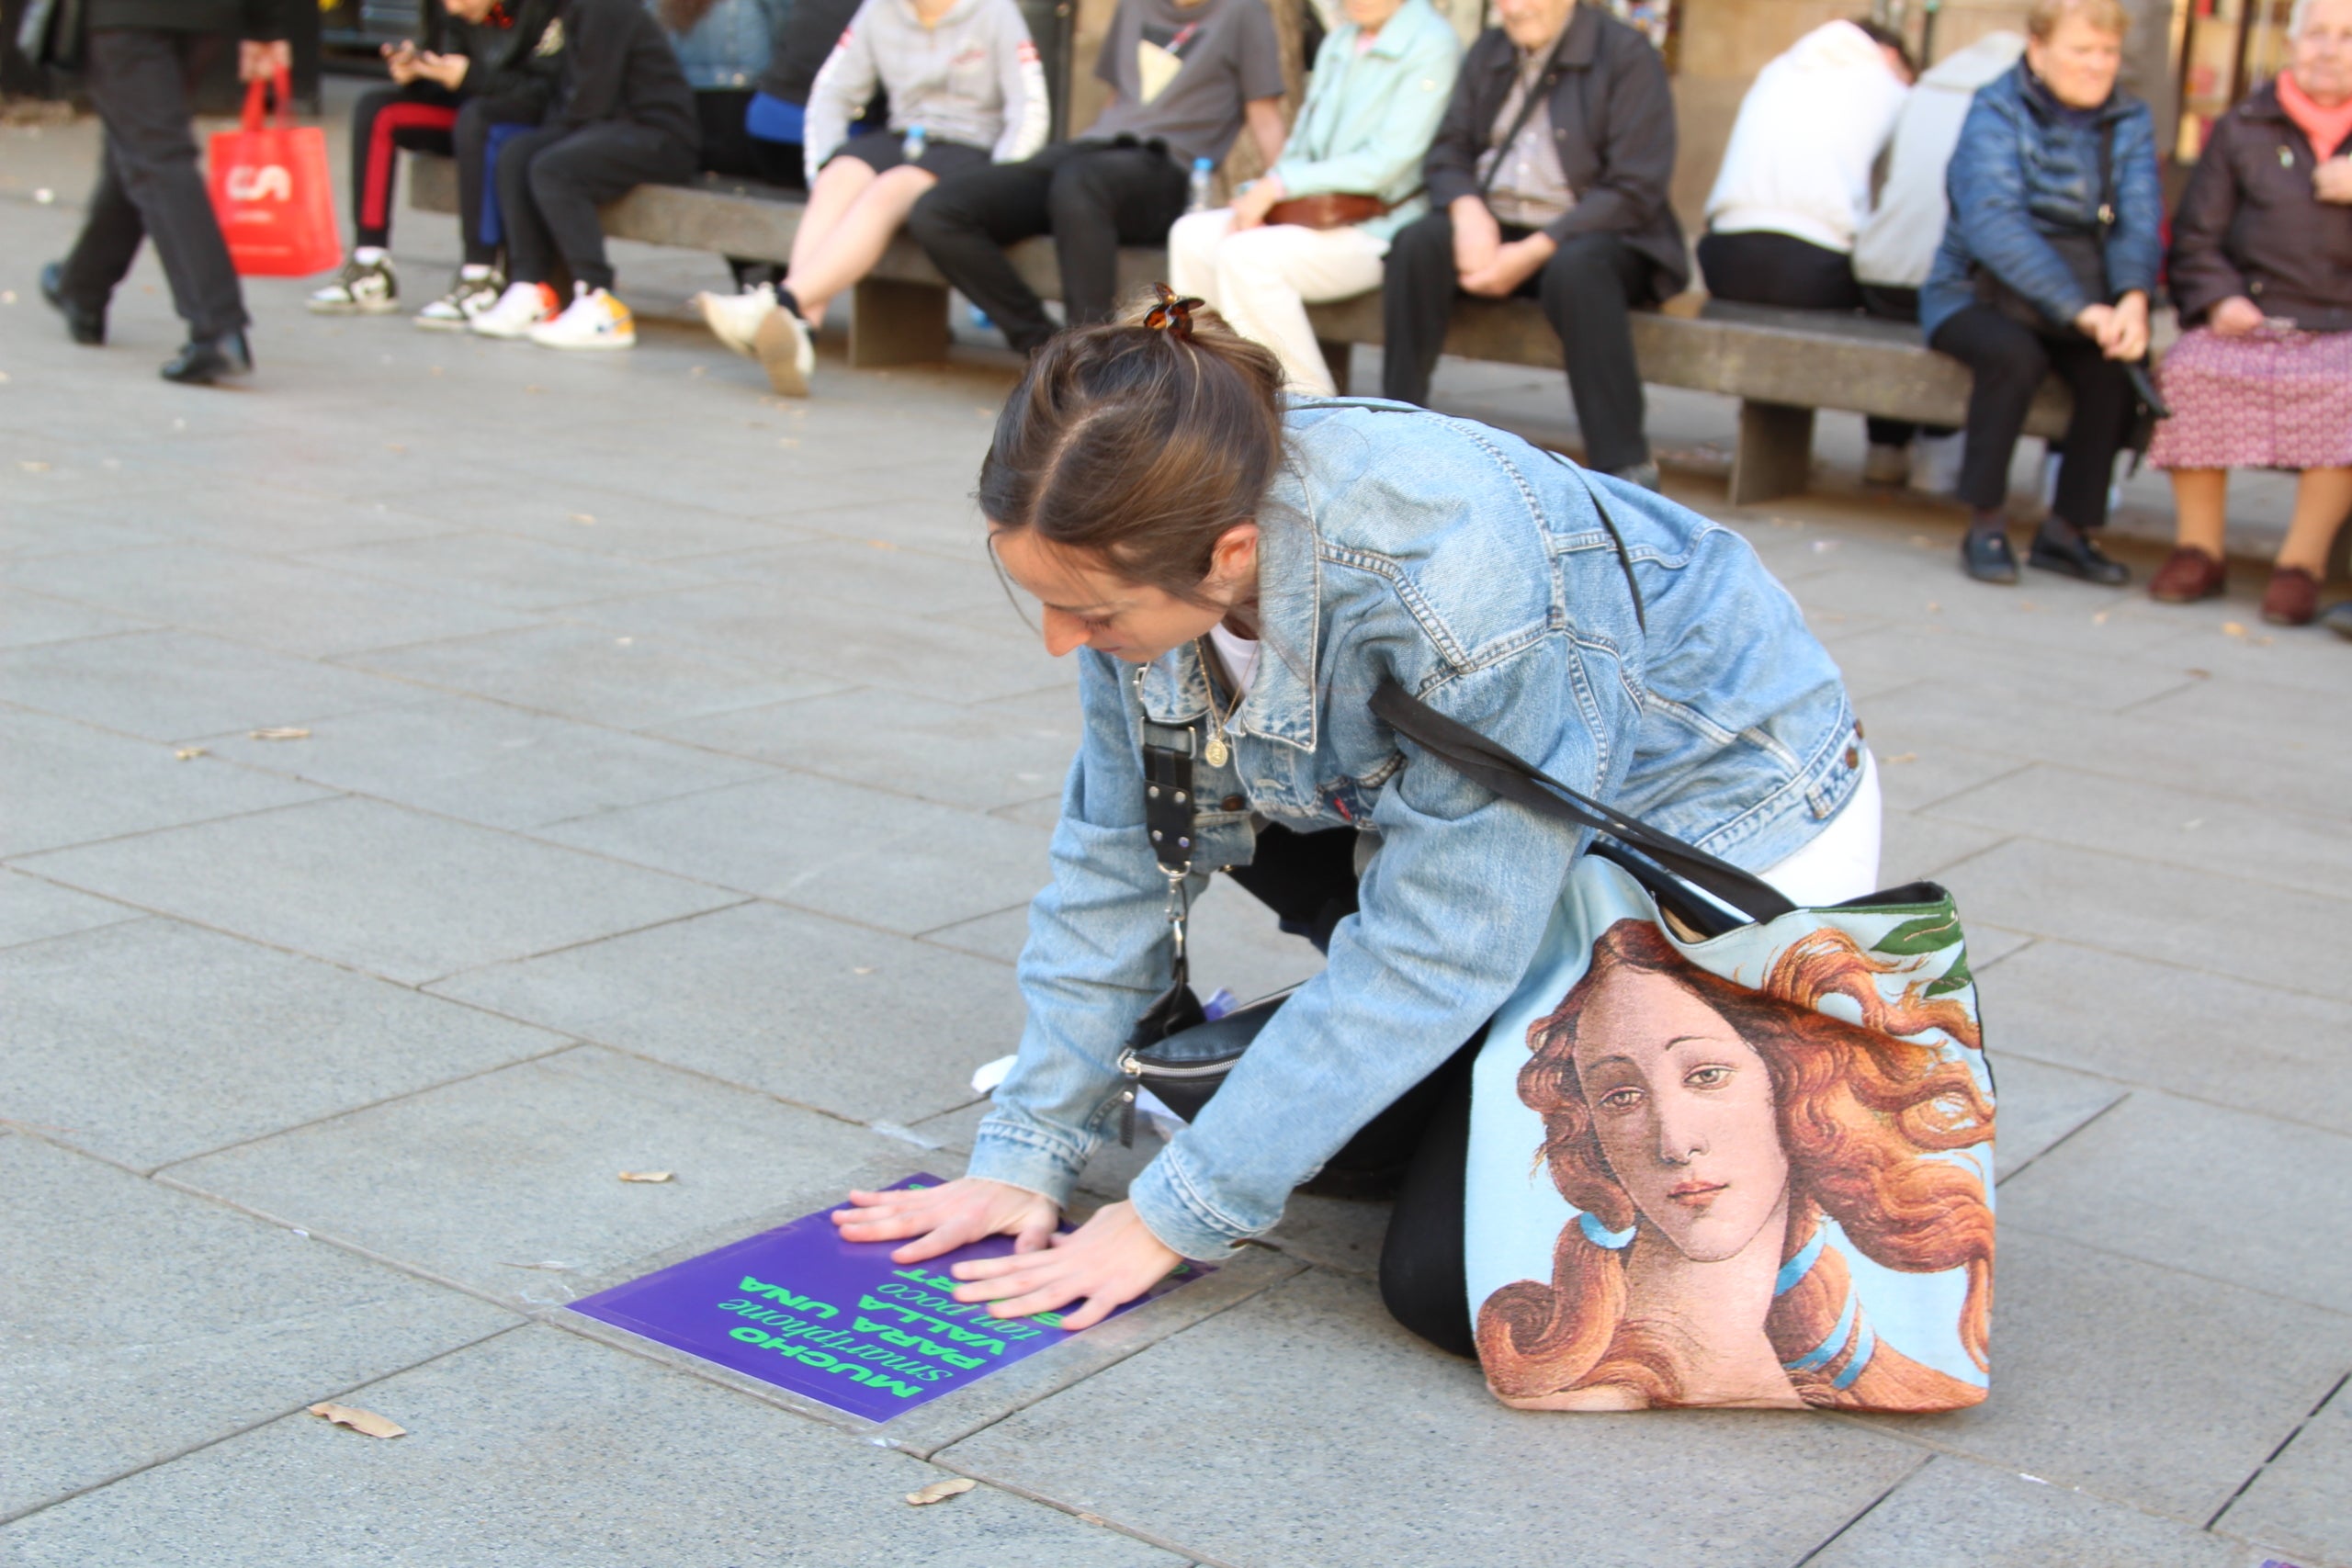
column 1682, row 1107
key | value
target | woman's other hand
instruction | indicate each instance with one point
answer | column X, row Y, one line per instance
column 2130, row 327
column 944, row 1218
column 2332, row 181
column 1106, row 1263
column 1251, row 206
column 2235, row 316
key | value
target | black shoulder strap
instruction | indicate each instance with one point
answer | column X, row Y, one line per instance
column 1512, row 777
column 1530, row 100
column 2105, row 183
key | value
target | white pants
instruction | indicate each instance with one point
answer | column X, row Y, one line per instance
column 1841, row 861
column 1262, row 280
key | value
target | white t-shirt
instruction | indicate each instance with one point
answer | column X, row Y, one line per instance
column 1240, row 656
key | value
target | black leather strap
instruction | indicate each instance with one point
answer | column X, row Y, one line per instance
column 1168, row 794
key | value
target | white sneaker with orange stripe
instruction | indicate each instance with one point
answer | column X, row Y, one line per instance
column 523, row 307
column 593, row 319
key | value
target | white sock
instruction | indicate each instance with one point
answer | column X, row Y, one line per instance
column 369, row 255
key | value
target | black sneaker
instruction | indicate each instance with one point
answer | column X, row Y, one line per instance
column 361, row 289
column 2072, row 554
column 1987, row 556
column 467, row 297
column 83, row 325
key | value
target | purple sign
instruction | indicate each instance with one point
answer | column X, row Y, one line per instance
column 836, row 1320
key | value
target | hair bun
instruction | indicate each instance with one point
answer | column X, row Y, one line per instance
column 1173, row 313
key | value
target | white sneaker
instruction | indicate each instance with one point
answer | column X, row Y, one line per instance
column 787, row 352
column 593, row 319
column 361, row 289
column 467, row 299
column 1935, row 462
column 734, row 319
column 1886, row 465
column 523, row 307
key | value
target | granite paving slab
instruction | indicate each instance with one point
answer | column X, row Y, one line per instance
column 171, row 686
column 2303, row 1500
column 272, row 520
column 153, row 1041
column 1919, row 774
column 1882, row 662
column 29, row 620
column 918, row 581
column 34, row 910
column 2140, row 1182
column 480, row 1182
column 2258, row 1047
column 850, row 1020
column 2159, row 1389
column 1914, row 847
column 599, row 677
column 1315, row 1431
column 68, row 784
column 60, row 529
column 2040, row 1106
column 277, row 603
column 1955, row 1512
column 489, row 763
column 361, row 882
column 540, row 1449
column 886, row 859
column 143, row 1322
column 515, row 574
column 587, row 518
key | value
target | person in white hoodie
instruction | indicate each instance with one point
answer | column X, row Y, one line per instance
column 1795, row 188
column 966, row 87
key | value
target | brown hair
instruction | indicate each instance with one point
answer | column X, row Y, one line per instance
column 1866, row 1117
column 1885, row 36
column 1139, row 445
column 2042, row 18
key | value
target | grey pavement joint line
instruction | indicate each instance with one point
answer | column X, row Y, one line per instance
column 2063, row 1138
column 2235, row 1283
column 2275, row 1454
column 1864, row 1512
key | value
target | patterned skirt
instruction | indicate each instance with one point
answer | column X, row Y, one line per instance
column 2269, row 400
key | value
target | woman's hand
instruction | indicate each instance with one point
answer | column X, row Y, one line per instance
column 1107, row 1262
column 944, row 1218
column 1251, row 206
column 2129, row 329
column 2235, row 316
column 2332, row 181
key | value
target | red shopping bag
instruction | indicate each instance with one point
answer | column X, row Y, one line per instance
column 272, row 193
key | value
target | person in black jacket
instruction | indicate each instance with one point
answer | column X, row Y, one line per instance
column 480, row 64
column 142, row 59
column 1564, row 200
column 624, row 116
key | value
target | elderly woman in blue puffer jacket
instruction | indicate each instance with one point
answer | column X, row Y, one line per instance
column 2047, row 263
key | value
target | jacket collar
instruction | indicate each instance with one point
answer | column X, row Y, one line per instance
column 1396, row 34
column 2044, row 106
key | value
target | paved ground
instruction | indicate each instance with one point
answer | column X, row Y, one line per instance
column 675, row 776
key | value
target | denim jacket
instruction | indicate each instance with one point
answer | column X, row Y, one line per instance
column 730, row 47
column 1369, row 114
column 1474, row 569
column 2024, row 170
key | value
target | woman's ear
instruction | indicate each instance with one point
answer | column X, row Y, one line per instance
column 1233, row 563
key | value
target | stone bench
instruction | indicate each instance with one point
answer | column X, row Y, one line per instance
column 1782, row 366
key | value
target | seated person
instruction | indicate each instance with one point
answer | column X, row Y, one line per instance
column 965, row 89
column 2261, row 270
column 724, row 47
column 1795, row 184
column 1899, row 241
column 1184, row 75
column 623, row 116
column 1372, row 106
column 482, row 63
column 2048, row 257
column 1549, row 175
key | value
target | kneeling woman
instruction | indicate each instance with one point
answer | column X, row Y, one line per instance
column 1213, row 553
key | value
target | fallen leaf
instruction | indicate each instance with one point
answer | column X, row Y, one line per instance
column 787, row 441
column 863, row 969
column 623, row 641
column 645, row 1176
column 2264, row 642
column 395, row 446
column 940, row 1491
column 435, row 370
column 283, row 732
column 4, row 377
column 2199, row 674
column 697, row 370
column 2233, row 628
column 32, row 465
column 1934, row 607
column 2100, row 619
column 880, row 544
column 535, row 388
column 2027, row 604
column 359, row 1420
column 8, row 295
column 189, row 753
column 1902, row 757
column 583, row 517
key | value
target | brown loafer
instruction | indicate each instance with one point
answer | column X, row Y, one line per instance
column 2292, row 598
column 2188, row 576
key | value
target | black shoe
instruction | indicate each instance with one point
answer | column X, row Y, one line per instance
column 83, row 325
column 1644, row 473
column 2073, row 554
column 1987, row 557
column 205, row 360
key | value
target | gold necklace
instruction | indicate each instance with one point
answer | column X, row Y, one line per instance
column 1214, row 752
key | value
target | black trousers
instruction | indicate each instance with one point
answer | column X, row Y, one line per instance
column 1587, row 291
column 149, row 184
column 1759, row 267
column 1418, row 1148
column 552, row 180
column 1093, row 196
column 2009, row 360
column 426, row 117
column 1889, row 302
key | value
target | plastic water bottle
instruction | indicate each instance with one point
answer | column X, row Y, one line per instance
column 912, row 148
column 1204, row 173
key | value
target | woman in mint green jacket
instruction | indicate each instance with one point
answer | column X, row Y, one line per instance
column 1379, row 88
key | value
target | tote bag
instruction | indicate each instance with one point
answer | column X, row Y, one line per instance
column 272, row 193
column 1723, row 1150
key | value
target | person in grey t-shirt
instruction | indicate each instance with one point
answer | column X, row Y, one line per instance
column 1184, row 79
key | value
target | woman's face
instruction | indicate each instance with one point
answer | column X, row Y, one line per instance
column 1082, row 602
column 2078, row 61
column 2323, row 64
column 1683, row 1110
column 1372, row 15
